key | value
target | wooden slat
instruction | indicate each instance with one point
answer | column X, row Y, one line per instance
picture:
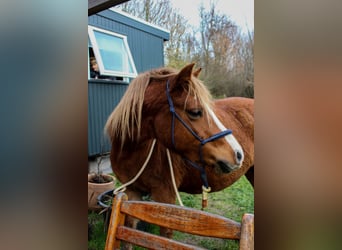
column 151, row 241
column 247, row 232
column 116, row 219
column 95, row 6
column 183, row 219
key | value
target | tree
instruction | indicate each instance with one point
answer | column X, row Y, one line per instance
column 218, row 34
column 219, row 39
column 226, row 55
column 161, row 13
column 152, row 11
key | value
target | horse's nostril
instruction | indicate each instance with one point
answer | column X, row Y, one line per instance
column 224, row 166
column 238, row 155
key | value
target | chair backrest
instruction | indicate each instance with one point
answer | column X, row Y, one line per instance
column 175, row 217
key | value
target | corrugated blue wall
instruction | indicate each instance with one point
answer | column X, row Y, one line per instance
column 102, row 99
column 146, row 44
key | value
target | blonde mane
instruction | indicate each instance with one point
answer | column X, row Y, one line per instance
column 126, row 117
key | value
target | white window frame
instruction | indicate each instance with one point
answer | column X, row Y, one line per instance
column 128, row 59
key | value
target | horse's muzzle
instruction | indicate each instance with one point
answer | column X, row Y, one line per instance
column 225, row 167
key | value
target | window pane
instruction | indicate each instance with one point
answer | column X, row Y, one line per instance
column 113, row 52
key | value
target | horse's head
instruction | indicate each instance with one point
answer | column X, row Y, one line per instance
column 175, row 108
column 184, row 120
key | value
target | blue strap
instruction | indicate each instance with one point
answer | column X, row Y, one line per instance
column 216, row 136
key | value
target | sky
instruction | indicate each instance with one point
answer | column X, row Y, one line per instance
column 240, row 11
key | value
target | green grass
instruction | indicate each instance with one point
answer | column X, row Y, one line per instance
column 231, row 202
column 98, row 236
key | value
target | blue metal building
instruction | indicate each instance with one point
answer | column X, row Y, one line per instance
column 123, row 47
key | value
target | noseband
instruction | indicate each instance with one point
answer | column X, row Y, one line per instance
column 202, row 141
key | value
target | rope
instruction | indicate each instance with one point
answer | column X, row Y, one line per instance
column 122, row 188
column 173, row 178
column 205, row 192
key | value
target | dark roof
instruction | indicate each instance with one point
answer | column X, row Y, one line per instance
column 95, row 6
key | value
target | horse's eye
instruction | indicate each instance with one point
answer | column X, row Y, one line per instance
column 194, row 113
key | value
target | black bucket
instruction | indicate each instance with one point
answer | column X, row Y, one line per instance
column 104, row 200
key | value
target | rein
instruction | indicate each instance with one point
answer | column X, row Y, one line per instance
column 122, row 188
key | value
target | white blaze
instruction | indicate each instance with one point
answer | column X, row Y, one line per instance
column 229, row 138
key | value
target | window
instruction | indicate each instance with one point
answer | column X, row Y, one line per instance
column 111, row 52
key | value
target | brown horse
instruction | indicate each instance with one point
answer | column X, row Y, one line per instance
column 177, row 110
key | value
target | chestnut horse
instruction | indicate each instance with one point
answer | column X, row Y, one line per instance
column 211, row 143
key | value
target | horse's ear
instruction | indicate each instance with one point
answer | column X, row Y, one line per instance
column 185, row 73
column 197, row 72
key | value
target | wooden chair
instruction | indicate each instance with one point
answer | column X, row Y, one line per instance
column 179, row 218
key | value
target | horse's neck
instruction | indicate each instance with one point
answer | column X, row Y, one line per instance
column 142, row 148
column 237, row 114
